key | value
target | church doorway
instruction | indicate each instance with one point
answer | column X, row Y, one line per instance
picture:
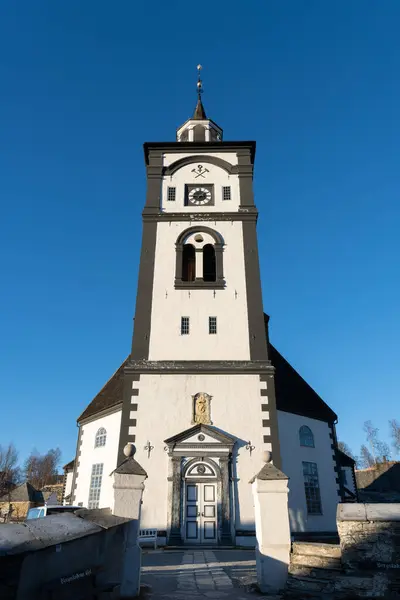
column 200, row 506
column 199, row 488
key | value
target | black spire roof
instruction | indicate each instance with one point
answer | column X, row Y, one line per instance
column 199, row 112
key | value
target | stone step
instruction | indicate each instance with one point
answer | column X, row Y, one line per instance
column 309, row 585
column 313, row 572
column 322, row 562
column 315, row 549
column 341, row 586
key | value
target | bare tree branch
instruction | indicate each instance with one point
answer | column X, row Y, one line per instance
column 366, row 458
column 41, row 470
column 380, row 451
column 10, row 474
column 395, row 434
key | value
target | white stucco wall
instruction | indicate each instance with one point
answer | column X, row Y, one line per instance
column 292, row 457
column 68, row 485
column 215, row 175
column 165, row 409
column 229, row 305
column 90, row 455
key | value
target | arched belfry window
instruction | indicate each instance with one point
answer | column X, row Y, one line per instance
column 188, row 263
column 209, row 266
column 306, row 437
column 101, row 438
column 199, row 259
column 199, row 133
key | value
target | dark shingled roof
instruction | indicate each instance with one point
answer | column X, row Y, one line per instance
column 110, row 395
column 294, row 395
column 69, row 465
column 345, row 460
column 24, row 493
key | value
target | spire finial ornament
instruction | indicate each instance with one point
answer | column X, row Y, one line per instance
column 199, row 81
column 199, row 112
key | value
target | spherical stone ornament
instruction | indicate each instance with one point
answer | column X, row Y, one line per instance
column 129, row 449
column 266, row 456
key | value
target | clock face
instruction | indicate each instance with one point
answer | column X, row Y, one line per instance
column 199, row 195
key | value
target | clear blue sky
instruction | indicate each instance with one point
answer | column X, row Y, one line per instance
column 84, row 84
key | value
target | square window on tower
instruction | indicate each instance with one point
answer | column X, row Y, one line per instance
column 184, row 325
column 212, row 325
column 226, row 192
column 171, row 195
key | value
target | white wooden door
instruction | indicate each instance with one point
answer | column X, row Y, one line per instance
column 201, row 513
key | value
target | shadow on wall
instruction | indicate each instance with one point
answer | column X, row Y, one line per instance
column 296, row 519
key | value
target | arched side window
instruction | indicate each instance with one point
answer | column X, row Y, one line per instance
column 188, row 263
column 101, row 438
column 306, row 437
column 209, row 266
column 200, row 247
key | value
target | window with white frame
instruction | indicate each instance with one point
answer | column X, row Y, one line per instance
column 171, row 195
column 95, row 485
column 101, row 438
column 184, row 325
column 226, row 192
column 212, row 325
column 311, row 488
column 306, row 437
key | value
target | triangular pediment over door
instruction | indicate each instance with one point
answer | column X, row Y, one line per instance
column 201, row 439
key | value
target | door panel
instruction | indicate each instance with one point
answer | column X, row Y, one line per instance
column 209, row 493
column 209, row 530
column 201, row 513
column 192, row 530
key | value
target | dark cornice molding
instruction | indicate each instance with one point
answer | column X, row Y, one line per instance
column 248, row 215
column 202, row 147
column 236, row 367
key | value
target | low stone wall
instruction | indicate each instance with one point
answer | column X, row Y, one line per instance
column 370, row 547
column 62, row 556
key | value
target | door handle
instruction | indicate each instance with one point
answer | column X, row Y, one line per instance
column 198, row 514
column 202, row 514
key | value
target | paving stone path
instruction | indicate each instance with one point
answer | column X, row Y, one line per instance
column 198, row 574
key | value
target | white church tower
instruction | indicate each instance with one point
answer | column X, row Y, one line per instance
column 199, row 400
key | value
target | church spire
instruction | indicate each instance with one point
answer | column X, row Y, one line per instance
column 199, row 128
column 199, row 112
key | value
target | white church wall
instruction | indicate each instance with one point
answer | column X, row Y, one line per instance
column 68, row 485
column 106, row 455
column 293, row 455
column 165, row 409
column 229, row 305
column 215, row 175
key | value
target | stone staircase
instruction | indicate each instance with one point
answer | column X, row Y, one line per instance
column 314, row 570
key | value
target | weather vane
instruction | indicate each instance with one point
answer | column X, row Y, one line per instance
column 199, row 82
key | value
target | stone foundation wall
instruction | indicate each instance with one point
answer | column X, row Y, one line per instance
column 370, row 547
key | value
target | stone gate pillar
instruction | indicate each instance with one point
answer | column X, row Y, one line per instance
column 128, row 490
column 270, row 493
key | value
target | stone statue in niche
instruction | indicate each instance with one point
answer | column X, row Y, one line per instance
column 201, row 409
